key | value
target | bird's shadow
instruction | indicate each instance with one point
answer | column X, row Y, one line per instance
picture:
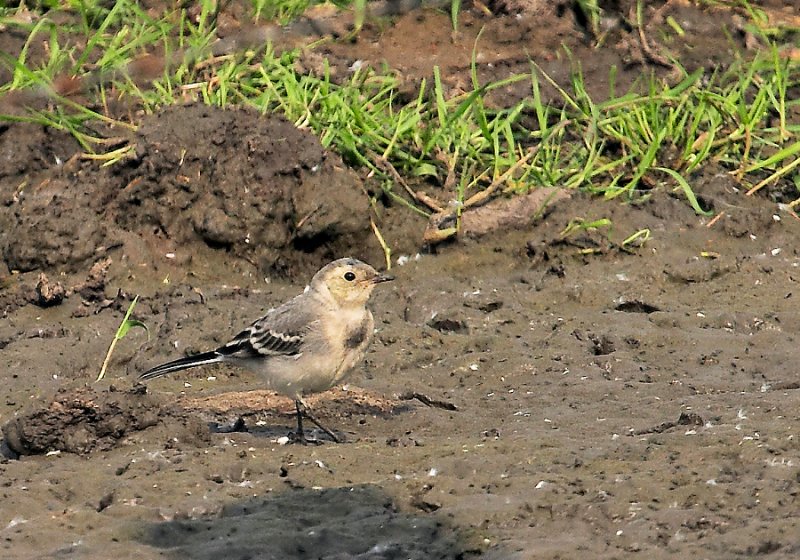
column 348, row 522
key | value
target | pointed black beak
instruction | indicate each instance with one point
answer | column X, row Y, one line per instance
column 380, row 278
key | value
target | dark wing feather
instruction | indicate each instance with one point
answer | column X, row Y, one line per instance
column 253, row 342
column 281, row 332
column 268, row 342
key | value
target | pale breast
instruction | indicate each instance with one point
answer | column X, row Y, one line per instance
column 356, row 336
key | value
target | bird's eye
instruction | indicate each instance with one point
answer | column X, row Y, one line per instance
column 349, row 276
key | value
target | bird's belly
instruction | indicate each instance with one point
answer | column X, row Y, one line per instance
column 296, row 376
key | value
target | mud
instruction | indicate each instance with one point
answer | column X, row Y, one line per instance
column 610, row 400
column 251, row 189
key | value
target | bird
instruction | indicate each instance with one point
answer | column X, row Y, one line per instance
column 308, row 344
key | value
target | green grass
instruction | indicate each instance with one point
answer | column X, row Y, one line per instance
column 628, row 147
column 122, row 330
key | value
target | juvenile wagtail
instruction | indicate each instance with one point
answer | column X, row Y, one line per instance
column 307, row 345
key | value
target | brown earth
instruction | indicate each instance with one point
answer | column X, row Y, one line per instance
column 611, row 401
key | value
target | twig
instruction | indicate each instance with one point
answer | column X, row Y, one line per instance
column 685, row 419
column 384, row 164
column 427, row 401
column 305, row 218
column 387, row 251
column 483, row 196
column 648, row 51
column 715, row 219
column 429, row 201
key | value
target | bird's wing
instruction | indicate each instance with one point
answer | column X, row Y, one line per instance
column 281, row 332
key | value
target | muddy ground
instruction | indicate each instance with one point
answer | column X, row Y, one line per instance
column 610, row 403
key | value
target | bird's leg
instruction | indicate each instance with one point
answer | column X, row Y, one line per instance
column 300, row 435
column 303, row 409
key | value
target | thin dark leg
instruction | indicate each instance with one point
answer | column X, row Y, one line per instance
column 300, row 435
column 302, row 409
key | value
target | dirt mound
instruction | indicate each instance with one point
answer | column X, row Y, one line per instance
column 83, row 420
column 256, row 187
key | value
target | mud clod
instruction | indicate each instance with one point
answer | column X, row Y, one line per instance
column 602, row 345
column 635, row 306
column 254, row 186
column 81, row 421
column 449, row 325
column 48, row 294
column 93, row 288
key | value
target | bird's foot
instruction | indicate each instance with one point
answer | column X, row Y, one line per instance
column 300, row 438
column 302, row 410
column 330, row 434
column 238, row 425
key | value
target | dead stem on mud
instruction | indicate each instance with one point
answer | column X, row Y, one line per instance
column 426, row 400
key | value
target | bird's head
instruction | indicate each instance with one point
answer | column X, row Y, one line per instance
column 348, row 281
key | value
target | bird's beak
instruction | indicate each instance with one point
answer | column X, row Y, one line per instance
column 382, row 278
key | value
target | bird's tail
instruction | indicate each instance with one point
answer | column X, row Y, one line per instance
column 182, row 363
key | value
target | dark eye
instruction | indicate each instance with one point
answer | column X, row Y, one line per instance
column 349, row 276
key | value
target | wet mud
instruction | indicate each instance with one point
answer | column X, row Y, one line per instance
column 592, row 398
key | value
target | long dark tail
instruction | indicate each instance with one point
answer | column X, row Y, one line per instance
column 183, row 363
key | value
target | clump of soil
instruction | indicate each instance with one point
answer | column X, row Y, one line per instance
column 84, row 420
column 254, row 186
